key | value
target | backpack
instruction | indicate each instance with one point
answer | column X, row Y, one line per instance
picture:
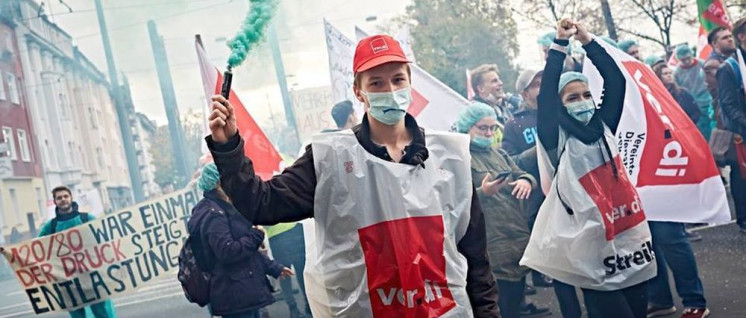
column 196, row 265
column 53, row 226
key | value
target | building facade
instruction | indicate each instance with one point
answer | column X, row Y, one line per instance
column 72, row 110
column 22, row 189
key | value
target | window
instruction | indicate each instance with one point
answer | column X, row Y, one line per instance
column 16, row 207
column 8, row 138
column 9, row 42
column 3, row 96
column 70, row 152
column 100, row 157
column 23, row 145
column 15, row 97
column 40, row 203
column 92, row 117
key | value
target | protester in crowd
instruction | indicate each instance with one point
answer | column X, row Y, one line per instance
column 67, row 216
column 722, row 43
column 723, row 47
column 344, row 115
column 653, row 60
column 520, row 144
column 289, row 249
column 681, row 95
column 238, row 286
column 631, row 47
column 488, row 88
column 690, row 74
column 388, row 151
column 568, row 117
column 501, row 186
column 733, row 116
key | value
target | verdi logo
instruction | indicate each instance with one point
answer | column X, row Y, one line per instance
column 406, row 267
column 616, row 198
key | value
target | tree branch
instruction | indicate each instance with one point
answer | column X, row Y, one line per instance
column 640, row 35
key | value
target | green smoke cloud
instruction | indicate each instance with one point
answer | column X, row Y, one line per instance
column 252, row 30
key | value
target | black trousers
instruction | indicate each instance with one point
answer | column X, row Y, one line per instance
column 631, row 302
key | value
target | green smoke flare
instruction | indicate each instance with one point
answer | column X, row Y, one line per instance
column 252, row 30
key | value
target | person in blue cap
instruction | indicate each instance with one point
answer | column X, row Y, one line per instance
column 690, row 74
column 630, row 47
column 569, row 118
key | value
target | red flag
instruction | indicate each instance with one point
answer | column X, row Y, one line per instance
column 256, row 144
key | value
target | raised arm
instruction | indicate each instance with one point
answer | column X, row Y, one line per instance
column 549, row 101
column 615, row 85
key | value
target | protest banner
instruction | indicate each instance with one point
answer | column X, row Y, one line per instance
column 667, row 158
column 312, row 109
column 106, row 257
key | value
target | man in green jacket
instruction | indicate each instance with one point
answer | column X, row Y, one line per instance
column 67, row 216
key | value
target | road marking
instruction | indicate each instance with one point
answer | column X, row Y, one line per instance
column 12, row 306
column 15, row 293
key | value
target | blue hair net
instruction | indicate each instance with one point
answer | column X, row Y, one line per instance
column 653, row 59
column 569, row 77
column 472, row 114
column 611, row 41
column 547, row 39
column 208, row 179
column 626, row 44
column 683, row 50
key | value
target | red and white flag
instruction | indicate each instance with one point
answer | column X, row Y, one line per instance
column 666, row 157
column 256, row 144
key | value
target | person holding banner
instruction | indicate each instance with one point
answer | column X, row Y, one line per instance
column 399, row 230
column 238, row 287
column 67, row 216
column 591, row 220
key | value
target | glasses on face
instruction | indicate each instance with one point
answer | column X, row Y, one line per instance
column 485, row 128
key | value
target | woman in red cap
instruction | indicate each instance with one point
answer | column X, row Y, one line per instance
column 398, row 229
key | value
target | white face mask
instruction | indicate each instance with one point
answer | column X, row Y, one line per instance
column 389, row 108
column 582, row 110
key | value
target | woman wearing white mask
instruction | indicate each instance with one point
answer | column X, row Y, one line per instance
column 587, row 178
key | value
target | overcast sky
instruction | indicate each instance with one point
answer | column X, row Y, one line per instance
column 300, row 30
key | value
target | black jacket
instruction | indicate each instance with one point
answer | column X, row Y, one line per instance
column 289, row 197
column 687, row 102
column 239, row 282
column 519, row 141
column 731, row 99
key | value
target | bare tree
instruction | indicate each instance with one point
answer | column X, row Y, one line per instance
column 662, row 13
column 546, row 13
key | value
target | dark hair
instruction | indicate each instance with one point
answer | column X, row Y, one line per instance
column 739, row 27
column 341, row 112
column 60, row 189
column 477, row 73
column 713, row 35
column 658, row 69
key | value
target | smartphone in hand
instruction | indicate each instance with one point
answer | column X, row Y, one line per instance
column 502, row 175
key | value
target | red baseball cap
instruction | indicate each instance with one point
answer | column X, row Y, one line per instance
column 377, row 50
